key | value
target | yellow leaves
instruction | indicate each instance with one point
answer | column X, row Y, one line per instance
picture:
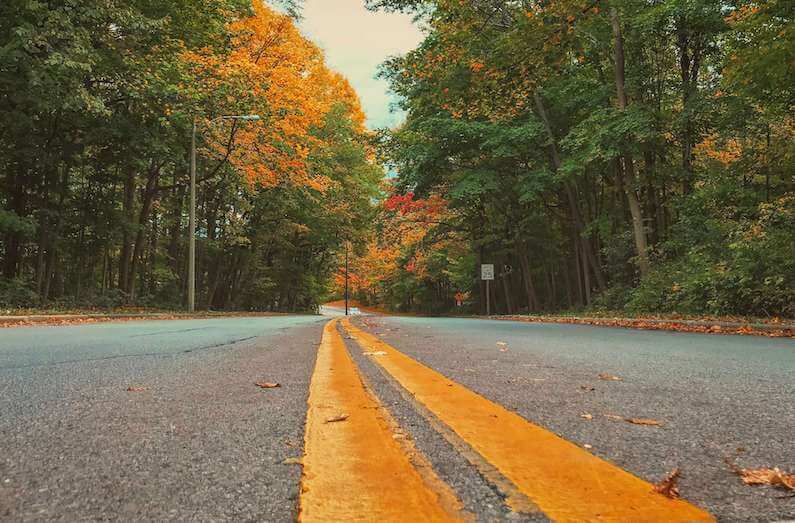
column 476, row 66
column 274, row 71
column 725, row 153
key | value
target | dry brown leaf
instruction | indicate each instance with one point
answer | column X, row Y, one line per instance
column 614, row 417
column 609, row 377
column 774, row 477
column 644, row 421
column 293, row 461
column 133, row 388
column 267, row 385
column 668, row 486
column 337, row 418
column 586, row 415
column 587, row 388
column 502, row 346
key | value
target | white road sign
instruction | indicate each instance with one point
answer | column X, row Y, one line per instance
column 487, row 271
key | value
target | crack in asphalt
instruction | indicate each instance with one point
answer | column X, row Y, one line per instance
column 122, row 356
column 169, row 332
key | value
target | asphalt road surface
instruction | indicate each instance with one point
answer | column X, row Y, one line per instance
column 196, row 439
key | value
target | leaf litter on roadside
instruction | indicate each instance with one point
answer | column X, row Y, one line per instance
column 668, row 487
column 774, row 477
column 609, row 377
column 267, row 385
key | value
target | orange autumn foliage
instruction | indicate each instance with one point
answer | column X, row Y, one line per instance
column 275, row 72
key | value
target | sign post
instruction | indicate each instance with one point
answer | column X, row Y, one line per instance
column 487, row 274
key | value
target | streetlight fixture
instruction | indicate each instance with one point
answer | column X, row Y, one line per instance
column 192, row 215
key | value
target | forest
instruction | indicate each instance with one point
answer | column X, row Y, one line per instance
column 630, row 155
column 98, row 99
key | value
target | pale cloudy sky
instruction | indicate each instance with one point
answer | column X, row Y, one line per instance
column 356, row 41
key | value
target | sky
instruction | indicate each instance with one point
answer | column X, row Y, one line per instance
column 356, row 41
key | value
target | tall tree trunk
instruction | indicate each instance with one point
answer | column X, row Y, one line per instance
column 627, row 164
column 689, row 44
column 527, row 277
column 571, row 196
column 148, row 197
column 126, row 243
column 13, row 240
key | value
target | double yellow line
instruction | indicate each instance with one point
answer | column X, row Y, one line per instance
column 357, row 468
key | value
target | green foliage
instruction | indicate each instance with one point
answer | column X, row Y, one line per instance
column 97, row 104
column 515, row 119
column 17, row 294
column 755, row 275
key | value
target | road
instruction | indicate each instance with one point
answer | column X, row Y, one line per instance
column 448, row 418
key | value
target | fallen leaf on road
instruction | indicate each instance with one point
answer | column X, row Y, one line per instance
column 644, row 421
column 609, row 377
column 765, row 476
column 614, row 417
column 502, row 346
column 293, row 461
column 375, row 353
column 267, row 385
column 668, row 486
column 338, row 418
column 133, row 388
column 586, row 415
column 587, row 388
column 587, row 446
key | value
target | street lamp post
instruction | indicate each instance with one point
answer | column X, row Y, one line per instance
column 346, row 278
column 192, row 212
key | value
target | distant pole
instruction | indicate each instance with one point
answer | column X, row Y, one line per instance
column 488, row 299
column 346, row 278
column 192, row 212
column 192, row 225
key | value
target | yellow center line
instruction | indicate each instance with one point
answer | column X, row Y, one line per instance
column 566, row 482
column 354, row 467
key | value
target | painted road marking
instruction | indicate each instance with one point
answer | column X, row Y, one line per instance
column 566, row 482
column 354, row 468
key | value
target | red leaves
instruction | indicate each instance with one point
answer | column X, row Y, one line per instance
column 407, row 204
column 398, row 202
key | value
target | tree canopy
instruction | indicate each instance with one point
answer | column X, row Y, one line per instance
column 620, row 155
column 97, row 101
